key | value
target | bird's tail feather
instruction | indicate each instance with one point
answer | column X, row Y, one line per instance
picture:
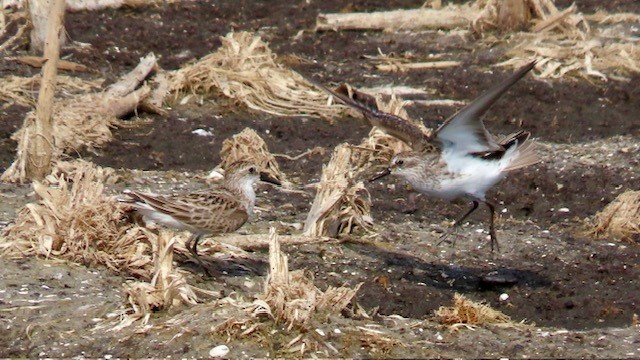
column 526, row 156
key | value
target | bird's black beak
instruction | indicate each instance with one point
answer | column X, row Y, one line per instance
column 381, row 174
column 266, row 177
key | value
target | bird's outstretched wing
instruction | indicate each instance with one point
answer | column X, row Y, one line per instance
column 394, row 125
column 464, row 132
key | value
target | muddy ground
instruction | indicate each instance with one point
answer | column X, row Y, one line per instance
column 576, row 294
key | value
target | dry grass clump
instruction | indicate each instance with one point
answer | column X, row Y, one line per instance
column 467, row 312
column 23, row 90
column 249, row 146
column 83, row 120
column 291, row 297
column 600, row 45
column 75, row 221
column 245, row 69
column 342, row 202
column 20, row 22
column 167, row 287
column 620, row 219
column 78, row 122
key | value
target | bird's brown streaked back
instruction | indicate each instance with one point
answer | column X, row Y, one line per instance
column 401, row 128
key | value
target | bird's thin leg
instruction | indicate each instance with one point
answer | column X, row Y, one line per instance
column 492, row 229
column 458, row 222
column 191, row 244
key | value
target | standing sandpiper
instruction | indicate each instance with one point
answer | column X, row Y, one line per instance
column 467, row 161
column 215, row 211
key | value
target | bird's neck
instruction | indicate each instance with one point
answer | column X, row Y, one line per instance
column 245, row 192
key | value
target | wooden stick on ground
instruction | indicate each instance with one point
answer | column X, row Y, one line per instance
column 417, row 66
column 445, row 18
column 40, row 148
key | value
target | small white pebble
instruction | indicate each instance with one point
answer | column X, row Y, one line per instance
column 504, row 297
column 320, row 332
column 563, row 210
column 202, row 132
column 219, row 351
column 337, row 331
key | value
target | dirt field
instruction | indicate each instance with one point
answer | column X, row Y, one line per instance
column 576, row 295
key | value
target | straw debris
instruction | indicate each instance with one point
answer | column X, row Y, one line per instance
column 467, row 312
column 75, row 221
column 342, row 203
column 245, row 69
column 565, row 41
column 249, row 146
column 291, row 296
column 620, row 219
column 167, row 288
column 21, row 90
column 84, row 120
column 18, row 20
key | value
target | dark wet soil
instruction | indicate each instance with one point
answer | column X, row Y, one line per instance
column 561, row 276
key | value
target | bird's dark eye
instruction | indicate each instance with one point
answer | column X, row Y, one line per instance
column 252, row 170
column 400, row 162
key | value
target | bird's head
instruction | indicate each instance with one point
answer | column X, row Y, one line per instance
column 247, row 173
column 408, row 164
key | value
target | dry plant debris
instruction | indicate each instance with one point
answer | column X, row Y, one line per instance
column 167, row 288
column 75, row 221
column 566, row 41
column 291, row 296
column 449, row 17
column 467, row 312
column 620, row 219
column 342, row 202
column 23, row 90
column 84, row 120
column 245, row 69
column 249, row 146
column 7, row 20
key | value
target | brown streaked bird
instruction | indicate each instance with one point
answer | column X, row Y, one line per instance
column 467, row 161
column 219, row 210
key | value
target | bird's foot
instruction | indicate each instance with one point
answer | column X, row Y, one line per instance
column 203, row 266
column 494, row 242
column 451, row 232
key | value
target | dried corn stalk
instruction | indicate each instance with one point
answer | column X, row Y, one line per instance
column 74, row 220
column 249, row 146
column 84, row 120
column 465, row 311
column 620, row 219
column 167, row 287
column 341, row 202
column 21, row 90
column 19, row 21
column 564, row 41
column 245, row 69
column 292, row 297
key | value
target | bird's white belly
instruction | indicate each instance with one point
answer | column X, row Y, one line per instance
column 164, row 220
column 452, row 186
